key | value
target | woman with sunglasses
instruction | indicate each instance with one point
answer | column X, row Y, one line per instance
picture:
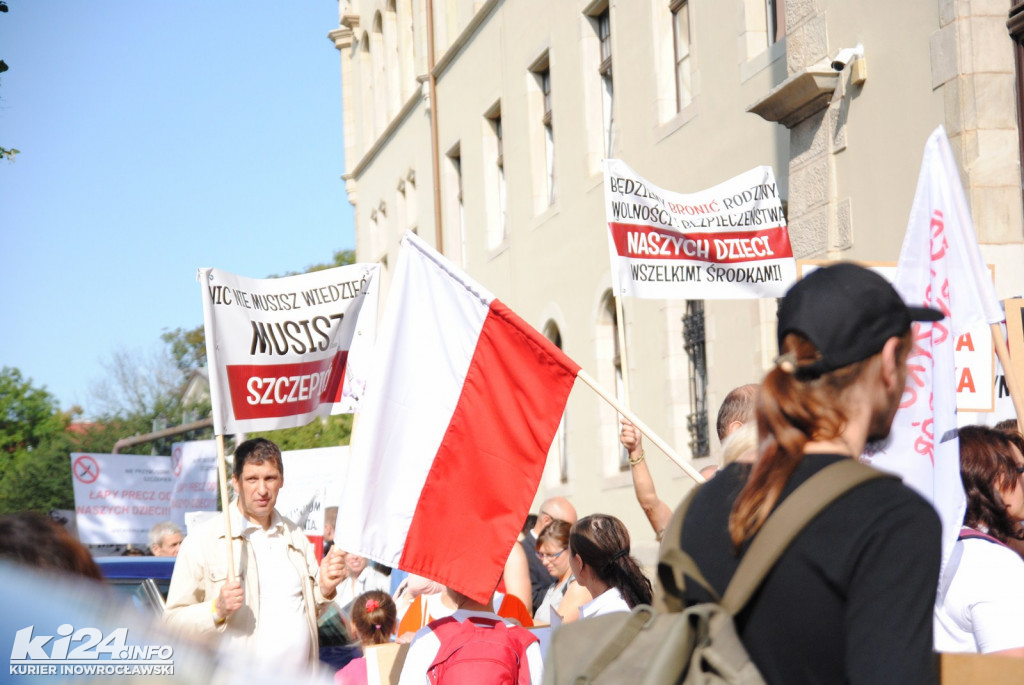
column 980, row 603
column 566, row 596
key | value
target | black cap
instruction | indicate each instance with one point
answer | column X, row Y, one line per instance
column 847, row 312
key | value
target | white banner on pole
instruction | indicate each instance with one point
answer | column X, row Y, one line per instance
column 726, row 242
column 283, row 351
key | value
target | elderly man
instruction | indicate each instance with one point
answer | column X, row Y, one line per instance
column 165, row 539
column 271, row 609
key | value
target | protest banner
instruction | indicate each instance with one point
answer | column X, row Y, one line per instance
column 940, row 265
column 119, row 497
column 194, row 472
column 727, row 242
column 283, row 351
column 312, row 483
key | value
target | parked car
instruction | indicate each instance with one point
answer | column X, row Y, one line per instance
column 145, row 581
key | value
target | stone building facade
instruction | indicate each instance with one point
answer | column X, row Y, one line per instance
column 530, row 95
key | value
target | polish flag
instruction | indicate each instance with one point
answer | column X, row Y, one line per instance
column 461, row 406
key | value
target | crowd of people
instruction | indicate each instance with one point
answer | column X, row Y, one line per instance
column 856, row 597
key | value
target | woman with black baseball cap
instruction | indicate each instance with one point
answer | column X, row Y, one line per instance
column 850, row 600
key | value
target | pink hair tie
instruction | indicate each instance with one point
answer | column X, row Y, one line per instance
column 377, row 626
column 372, row 605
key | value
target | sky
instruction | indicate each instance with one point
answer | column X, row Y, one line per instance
column 156, row 138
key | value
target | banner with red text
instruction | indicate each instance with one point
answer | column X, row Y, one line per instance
column 194, row 472
column 726, row 242
column 283, row 351
column 940, row 265
column 119, row 497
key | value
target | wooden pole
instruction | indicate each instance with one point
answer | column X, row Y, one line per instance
column 435, row 152
column 642, row 427
column 223, row 477
column 623, row 357
column 999, row 343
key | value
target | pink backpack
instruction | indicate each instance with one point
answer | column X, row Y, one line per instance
column 480, row 651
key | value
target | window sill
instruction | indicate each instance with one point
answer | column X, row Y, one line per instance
column 762, row 60
column 550, row 212
column 679, row 120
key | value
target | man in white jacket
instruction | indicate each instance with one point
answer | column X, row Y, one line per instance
column 271, row 608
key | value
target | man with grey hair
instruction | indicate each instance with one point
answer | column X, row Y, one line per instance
column 165, row 539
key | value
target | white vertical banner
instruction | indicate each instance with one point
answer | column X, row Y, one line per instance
column 312, row 482
column 940, row 265
column 194, row 469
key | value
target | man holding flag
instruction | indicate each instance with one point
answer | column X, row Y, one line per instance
column 272, row 610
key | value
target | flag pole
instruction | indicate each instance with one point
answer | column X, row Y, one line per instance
column 223, row 477
column 641, row 426
column 999, row 342
column 623, row 357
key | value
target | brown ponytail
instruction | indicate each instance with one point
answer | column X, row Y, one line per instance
column 792, row 410
column 602, row 542
column 375, row 617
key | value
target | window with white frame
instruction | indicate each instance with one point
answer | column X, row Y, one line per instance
column 496, row 222
column 682, row 40
column 543, row 75
column 604, row 34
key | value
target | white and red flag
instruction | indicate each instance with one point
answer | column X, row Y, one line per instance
column 462, row 403
column 940, row 265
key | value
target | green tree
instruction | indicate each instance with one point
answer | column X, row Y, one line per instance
column 35, row 467
column 7, row 153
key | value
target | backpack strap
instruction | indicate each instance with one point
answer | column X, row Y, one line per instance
column 675, row 565
column 786, row 522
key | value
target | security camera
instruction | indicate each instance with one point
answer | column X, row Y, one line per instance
column 847, row 55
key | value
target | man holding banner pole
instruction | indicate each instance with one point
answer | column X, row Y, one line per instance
column 271, row 609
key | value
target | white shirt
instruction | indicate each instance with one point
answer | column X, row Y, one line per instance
column 425, row 645
column 282, row 634
column 982, row 610
column 608, row 602
column 369, row 579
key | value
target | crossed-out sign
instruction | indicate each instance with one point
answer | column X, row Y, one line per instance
column 86, row 469
column 176, row 461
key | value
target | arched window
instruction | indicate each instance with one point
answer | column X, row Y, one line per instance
column 559, row 446
column 609, row 375
column 366, row 90
column 391, row 59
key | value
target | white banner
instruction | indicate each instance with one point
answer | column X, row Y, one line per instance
column 283, row 351
column 726, row 242
column 119, row 497
column 194, row 469
column 312, row 482
column 940, row 265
